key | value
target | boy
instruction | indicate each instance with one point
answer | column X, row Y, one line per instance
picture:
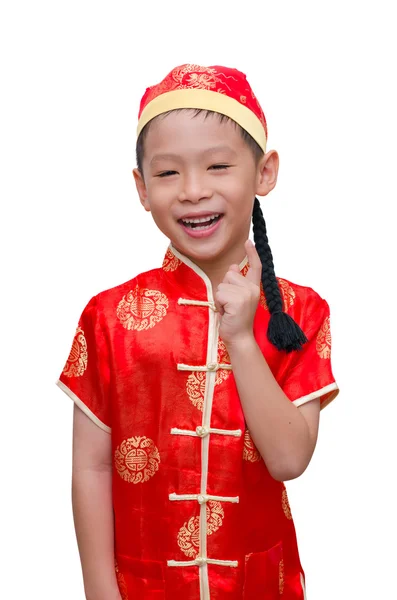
column 202, row 380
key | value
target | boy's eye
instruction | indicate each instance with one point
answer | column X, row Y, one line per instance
column 166, row 173
column 219, row 167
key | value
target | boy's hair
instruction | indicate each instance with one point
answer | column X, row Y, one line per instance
column 283, row 332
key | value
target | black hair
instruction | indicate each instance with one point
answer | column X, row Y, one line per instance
column 283, row 332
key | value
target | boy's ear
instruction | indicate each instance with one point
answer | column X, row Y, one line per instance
column 141, row 188
column 267, row 172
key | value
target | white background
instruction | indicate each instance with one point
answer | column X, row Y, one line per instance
column 72, row 76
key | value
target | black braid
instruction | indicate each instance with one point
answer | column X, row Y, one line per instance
column 283, row 332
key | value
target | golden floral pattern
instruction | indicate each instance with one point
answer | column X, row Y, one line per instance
column 76, row 363
column 137, row 459
column 285, row 504
column 189, row 535
column 189, row 77
column 281, row 577
column 171, row 262
column 250, row 451
column 195, row 388
column 222, row 358
column 262, row 116
column 195, row 384
column 287, row 294
column 141, row 309
column 121, row 583
column 323, row 341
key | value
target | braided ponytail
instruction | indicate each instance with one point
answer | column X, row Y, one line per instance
column 282, row 331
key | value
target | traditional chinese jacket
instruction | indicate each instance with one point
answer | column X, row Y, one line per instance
column 196, row 513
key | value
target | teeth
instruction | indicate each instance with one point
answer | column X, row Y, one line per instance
column 202, row 220
column 203, row 227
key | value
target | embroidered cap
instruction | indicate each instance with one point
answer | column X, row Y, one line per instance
column 215, row 88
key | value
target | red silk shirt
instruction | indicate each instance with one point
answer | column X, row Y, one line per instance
column 196, row 513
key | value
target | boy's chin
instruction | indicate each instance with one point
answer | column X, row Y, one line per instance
column 197, row 253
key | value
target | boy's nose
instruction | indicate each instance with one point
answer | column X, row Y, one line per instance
column 194, row 195
column 193, row 190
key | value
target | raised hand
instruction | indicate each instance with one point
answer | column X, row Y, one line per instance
column 237, row 299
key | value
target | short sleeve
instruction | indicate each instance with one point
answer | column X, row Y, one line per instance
column 308, row 372
column 86, row 374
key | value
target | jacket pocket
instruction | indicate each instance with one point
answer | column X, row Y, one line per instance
column 140, row 578
column 264, row 574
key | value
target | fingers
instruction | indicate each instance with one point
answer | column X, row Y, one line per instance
column 229, row 295
column 254, row 273
column 234, row 268
column 235, row 277
column 219, row 306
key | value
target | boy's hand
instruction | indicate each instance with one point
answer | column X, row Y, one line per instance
column 237, row 299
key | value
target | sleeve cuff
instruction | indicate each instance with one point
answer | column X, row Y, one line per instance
column 83, row 407
column 327, row 394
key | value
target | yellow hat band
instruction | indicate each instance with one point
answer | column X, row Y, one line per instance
column 205, row 100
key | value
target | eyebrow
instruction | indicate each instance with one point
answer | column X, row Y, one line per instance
column 208, row 151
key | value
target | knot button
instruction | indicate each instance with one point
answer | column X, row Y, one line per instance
column 201, row 499
column 202, row 431
column 212, row 366
column 200, row 561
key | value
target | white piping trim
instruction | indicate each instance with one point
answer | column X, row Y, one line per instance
column 212, row 352
column 210, row 367
column 83, row 407
column 203, row 498
column 233, row 432
column 212, row 355
column 203, row 580
column 303, row 587
column 317, row 394
column 202, row 562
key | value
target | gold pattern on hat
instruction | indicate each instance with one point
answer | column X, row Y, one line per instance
column 189, row 77
column 141, row 309
column 323, row 342
column 285, row 504
column 262, row 118
column 250, row 451
column 76, row 363
column 171, row 262
column 189, row 534
column 137, row 459
column 121, row 582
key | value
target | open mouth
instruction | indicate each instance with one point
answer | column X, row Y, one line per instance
column 201, row 223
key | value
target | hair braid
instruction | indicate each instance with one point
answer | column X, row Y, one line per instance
column 283, row 332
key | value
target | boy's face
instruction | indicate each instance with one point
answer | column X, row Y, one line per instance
column 200, row 167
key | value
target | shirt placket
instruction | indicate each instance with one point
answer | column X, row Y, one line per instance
column 204, row 431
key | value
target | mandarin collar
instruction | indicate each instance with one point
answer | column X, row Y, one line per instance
column 188, row 275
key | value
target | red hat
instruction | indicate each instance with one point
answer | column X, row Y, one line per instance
column 215, row 88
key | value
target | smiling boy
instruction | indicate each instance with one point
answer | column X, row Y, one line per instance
column 202, row 380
